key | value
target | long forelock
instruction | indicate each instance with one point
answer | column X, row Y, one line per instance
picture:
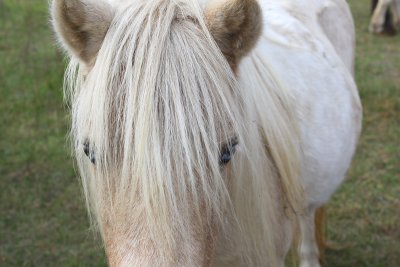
column 156, row 107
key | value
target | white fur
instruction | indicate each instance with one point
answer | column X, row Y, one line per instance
column 327, row 107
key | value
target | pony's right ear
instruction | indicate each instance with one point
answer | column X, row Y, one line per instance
column 81, row 26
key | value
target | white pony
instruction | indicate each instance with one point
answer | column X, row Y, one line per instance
column 164, row 92
column 380, row 16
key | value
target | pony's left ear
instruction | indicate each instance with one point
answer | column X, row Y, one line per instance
column 81, row 26
column 236, row 26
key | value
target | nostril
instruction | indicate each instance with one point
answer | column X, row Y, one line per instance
column 88, row 152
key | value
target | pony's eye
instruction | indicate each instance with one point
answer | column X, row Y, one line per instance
column 88, row 151
column 227, row 152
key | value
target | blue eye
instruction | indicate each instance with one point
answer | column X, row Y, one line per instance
column 227, row 152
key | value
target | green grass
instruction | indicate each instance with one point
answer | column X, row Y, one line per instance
column 43, row 221
column 364, row 214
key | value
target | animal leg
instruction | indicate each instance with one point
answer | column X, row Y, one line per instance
column 378, row 17
column 396, row 13
column 309, row 255
column 320, row 217
column 286, row 239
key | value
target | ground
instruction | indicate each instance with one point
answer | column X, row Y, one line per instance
column 43, row 220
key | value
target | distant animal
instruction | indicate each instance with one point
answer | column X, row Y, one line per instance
column 385, row 16
column 206, row 132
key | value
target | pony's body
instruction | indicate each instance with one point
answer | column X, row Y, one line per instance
column 153, row 182
column 382, row 21
column 327, row 104
column 305, row 39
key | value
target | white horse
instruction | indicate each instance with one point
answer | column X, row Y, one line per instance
column 380, row 16
column 164, row 92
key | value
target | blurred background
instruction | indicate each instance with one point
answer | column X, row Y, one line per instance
column 43, row 221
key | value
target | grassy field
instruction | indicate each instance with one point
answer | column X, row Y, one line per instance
column 365, row 214
column 42, row 217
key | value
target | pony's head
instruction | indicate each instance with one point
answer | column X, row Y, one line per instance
column 156, row 119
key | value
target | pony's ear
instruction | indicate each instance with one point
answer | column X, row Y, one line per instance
column 235, row 26
column 81, row 26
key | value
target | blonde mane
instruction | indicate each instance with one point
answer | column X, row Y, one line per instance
column 155, row 108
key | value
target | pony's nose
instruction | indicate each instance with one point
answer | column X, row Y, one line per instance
column 89, row 151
